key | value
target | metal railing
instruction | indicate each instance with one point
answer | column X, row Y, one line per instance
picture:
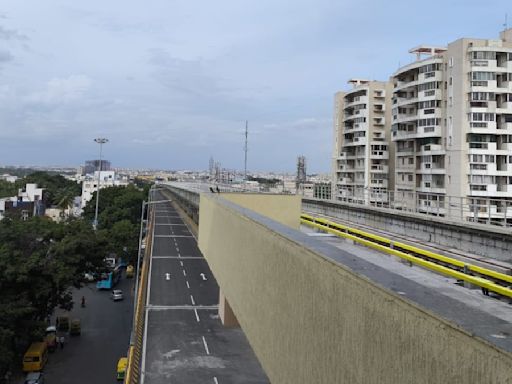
column 476, row 209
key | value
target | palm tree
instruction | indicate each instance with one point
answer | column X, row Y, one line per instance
column 65, row 200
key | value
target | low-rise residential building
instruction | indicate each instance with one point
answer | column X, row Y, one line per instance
column 107, row 179
column 29, row 202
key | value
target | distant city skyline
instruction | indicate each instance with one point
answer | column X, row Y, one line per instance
column 171, row 84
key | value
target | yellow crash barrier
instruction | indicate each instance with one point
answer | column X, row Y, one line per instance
column 395, row 248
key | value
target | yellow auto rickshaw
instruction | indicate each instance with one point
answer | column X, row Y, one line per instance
column 121, row 368
column 75, row 327
column 129, row 271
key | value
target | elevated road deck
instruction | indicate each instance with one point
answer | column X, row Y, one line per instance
column 185, row 341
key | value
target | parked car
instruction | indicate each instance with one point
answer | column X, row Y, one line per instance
column 117, row 294
column 89, row 277
column 34, row 378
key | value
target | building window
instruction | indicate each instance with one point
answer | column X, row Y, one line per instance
column 484, row 55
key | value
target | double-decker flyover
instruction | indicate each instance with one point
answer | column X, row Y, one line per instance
column 184, row 340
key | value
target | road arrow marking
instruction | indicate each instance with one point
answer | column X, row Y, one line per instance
column 203, row 276
column 167, row 276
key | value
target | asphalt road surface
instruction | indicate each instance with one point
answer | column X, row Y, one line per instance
column 185, row 341
column 106, row 325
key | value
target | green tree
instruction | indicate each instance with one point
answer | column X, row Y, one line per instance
column 40, row 261
column 7, row 189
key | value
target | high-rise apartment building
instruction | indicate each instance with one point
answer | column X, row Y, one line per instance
column 92, row 166
column 362, row 143
column 452, row 127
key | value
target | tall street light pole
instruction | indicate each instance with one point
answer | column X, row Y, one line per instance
column 100, row 141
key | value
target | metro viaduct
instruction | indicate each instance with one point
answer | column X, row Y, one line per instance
column 316, row 314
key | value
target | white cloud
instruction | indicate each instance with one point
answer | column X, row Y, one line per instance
column 62, row 90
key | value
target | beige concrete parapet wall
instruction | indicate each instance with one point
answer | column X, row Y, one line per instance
column 311, row 320
column 285, row 209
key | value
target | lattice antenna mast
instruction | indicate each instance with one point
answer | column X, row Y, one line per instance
column 245, row 150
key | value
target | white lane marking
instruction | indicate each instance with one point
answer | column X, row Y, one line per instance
column 205, row 346
column 202, row 276
column 178, row 257
column 167, row 276
column 172, row 236
column 181, row 263
column 184, row 273
column 188, row 285
column 180, row 307
column 215, row 380
column 197, row 315
column 192, row 299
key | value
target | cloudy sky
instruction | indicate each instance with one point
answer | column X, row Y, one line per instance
column 170, row 83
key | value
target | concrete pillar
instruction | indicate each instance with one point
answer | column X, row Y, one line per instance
column 226, row 314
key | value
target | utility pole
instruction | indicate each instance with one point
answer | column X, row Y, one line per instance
column 100, row 141
column 245, row 149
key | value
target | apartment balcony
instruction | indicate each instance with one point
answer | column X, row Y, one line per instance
column 504, row 86
column 438, row 189
column 401, row 101
column 404, row 186
column 404, row 118
column 504, row 107
column 431, row 94
column 483, row 64
column 430, row 76
column 355, row 101
column 431, row 169
column 379, row 168
column 405, row 168
column 484, row 86
column 432, row 131
column 431, row 149
column 406, row 151
column 379, row 155
column 359, row 113
column 380, row 121
column 505, row 147
column 378, row 183
column 504, row 128
column 478, row 148
column 359, row 127
column 401, row 85
column 437, row 113
column 483, row 127
column 347, row 156
column 345, row 180
column 487, row 190
column 505, row 188
column 356, row 141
